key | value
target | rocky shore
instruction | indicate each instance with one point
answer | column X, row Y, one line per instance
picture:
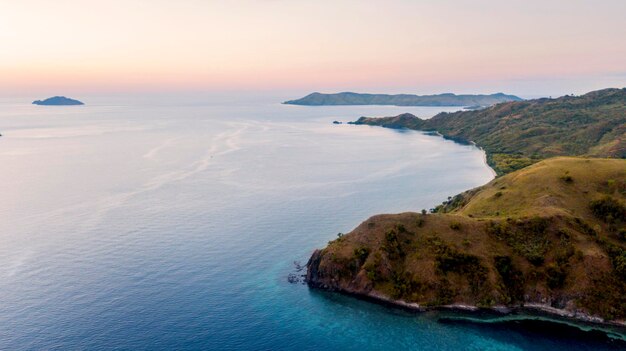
column 551, row 253
column 526, row 311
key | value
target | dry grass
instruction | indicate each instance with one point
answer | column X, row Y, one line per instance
column 538, row 220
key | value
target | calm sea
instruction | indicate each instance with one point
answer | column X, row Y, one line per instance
column 134, row 224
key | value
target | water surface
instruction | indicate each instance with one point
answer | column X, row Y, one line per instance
column 151, row 224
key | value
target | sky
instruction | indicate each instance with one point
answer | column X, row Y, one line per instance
column 529, row 48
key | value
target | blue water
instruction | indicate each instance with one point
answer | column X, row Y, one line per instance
column 135, row 224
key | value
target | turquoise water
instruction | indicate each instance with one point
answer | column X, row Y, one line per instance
column 144, row 224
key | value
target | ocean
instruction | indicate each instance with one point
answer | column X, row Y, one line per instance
column 173, row 224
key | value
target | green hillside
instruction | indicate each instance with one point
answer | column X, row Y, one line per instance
column 551, row 236
column 517, row 134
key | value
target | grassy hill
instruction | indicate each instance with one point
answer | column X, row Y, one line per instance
column 347, row 98
column 550, row 236
column 517, row 134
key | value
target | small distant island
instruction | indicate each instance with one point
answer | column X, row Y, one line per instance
column 448, row 99
column 58, row 101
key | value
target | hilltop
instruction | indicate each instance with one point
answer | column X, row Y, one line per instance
column 57, row 101
column 517, row 134
column 348, row 98
column 549, row 237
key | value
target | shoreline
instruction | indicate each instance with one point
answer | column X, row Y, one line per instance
column 484, row 152
column 528, row 311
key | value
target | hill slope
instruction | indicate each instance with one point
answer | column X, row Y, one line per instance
column 517, row 134
column 551, row 236
column 347, row 98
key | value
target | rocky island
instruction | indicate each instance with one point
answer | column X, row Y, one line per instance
column 548, row 234
column 348, row 98
column 57, row 101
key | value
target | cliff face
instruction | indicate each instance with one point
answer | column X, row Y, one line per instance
column 552, row 235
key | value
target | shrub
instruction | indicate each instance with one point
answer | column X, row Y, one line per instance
column 621, row 234
column 404, row 285
column 372, row 269
column 361, row 254
column 451, row 261
column 527, row 237
column 512, row 279
column 392, row 245
column 608, row 209
column 455, row 226
column 420, row 222
column 586, row 228
column 454, row 261
column 555, row 276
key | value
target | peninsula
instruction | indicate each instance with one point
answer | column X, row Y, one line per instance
column 57, row 101
column 348, row 98
column 517, row 134
column 550, row 237
column 548, row 234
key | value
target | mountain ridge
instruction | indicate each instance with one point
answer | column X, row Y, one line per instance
column 445, row 99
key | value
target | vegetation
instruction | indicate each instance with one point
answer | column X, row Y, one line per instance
column 550, row 230
column 518, row 134
column 526, row 237
column 608, row 209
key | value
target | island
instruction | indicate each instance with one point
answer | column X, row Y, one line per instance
column 448, row 99
column 547, row 235
column 57, row 101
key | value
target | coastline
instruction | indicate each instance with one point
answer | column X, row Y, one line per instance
column 345, row 265
column 528, row 311
column 493, row 172
column 332, row 275
column 483, row 151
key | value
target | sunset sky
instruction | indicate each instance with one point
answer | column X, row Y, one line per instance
column 429, row 46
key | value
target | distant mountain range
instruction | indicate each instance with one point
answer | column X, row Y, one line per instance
column 448, row 99
column 58, row 101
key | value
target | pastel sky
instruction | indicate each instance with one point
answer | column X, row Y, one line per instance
column 527, row 47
